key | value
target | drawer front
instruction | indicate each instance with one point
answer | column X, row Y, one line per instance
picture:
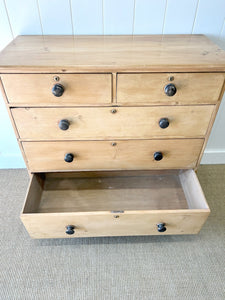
column 113, row 224
column 36, row 89
column 102, row 123
column 148, row 89
column 112, row 155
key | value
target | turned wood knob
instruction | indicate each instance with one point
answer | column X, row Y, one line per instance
column 58, row 90
column 64, row 124
column 161, row 227
column 158, row 156
column 70, row 229
column 170, row 89
column 69, row 157
column 164, row 123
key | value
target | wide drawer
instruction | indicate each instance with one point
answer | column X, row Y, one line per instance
column 148, row 89
column 36, row 89
column 105, row 204
column 84, row 123
column 112, row 155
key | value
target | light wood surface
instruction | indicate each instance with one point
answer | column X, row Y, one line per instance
column 114, row 87
column 47, row 225
column 104, row 194
column 148, row 89
column 34, row 194
column 111, row 173
column 113, row 186
column 146, row 53
column 192, row 190
column 126, row 123
column 95, row 206
column 101, row 155
column 36, row 89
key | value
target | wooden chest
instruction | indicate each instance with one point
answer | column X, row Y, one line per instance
column 112, row 129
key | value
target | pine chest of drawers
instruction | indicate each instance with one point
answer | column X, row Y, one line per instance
column 112, row 129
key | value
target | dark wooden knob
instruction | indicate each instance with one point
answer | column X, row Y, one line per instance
column 58, row 90
column 158, row 156
column 70, row 229
column 64, row 124
column 69, row 157
column 161, row 227
column 170, row 89
column 164, row 123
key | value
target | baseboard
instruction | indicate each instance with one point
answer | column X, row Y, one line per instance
column 213, row 157
column 11, row 161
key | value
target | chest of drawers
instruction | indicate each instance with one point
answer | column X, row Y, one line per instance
column 112, row 130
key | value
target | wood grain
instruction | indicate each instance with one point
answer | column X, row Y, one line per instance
column 146, row 89
column 104, row 194
column 36, row 89
column 144, row 53
column 101, row 155
column 126, row 123
column 111, row 173
column 47, row 225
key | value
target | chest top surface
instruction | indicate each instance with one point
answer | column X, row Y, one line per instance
column 146, row 53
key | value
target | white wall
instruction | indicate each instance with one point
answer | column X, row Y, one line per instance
column 111, row 17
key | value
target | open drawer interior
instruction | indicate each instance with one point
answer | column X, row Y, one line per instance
column 91, row 191
column 114, row 203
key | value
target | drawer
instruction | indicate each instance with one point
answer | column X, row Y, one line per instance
column 112, row 155
column 106, row 204
column 148, row 89
column 76, row 89
column 84, row 123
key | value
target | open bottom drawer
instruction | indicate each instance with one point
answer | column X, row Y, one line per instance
column 85, row 204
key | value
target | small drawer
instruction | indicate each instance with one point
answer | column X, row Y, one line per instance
column 114, row 204
column 84, row 123
column 112, row 155
column 165, row 88
column 57, row 89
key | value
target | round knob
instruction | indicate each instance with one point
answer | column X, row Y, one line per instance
column 58, row 90
column 64, row 124
column 164, row 123
column 158, row 156
column 161, row 227
column 170, row 90
column 69, row 157
column 70, row 229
